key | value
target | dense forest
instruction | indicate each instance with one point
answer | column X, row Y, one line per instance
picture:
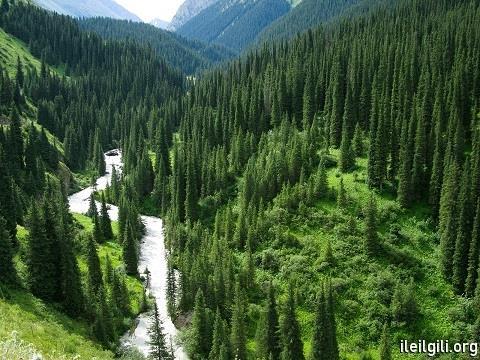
column 189, row 56
column 320, row 195
column 267, row 147
column 58, row 115
column 311, row 13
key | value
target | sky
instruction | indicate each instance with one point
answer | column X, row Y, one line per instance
column 148, row 10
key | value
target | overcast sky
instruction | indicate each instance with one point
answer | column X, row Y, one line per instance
column 148, row 10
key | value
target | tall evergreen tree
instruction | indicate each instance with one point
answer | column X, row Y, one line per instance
column 473, row 255
column 130, row 253
column 7, row 270
column 7, row 198
column 94, row 271
column 42, row 273
column 292, row 345
column 157, row 342
column 105, row 222
column 268, row 332
column 238, row 335
column 200, row 344
column 371, row 237
column 464, row 232
column 220, row 342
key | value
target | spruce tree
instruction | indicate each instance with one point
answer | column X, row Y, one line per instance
column 7, row 270
column 72, row 292
column 220, row 339
column 7, row 198
column 464, row 232
column 157, row 342
column 105, row 222
column 92, row 207
column 238, row 335
column 200, row 346
column 320, row 345
column 371, row 243
column 94, row 271
column 130, row 253
column 342, row 196
column 473, row 255
column 97, row 230
column 42, row 273
column 292, row 345
column 15, row 148
column 357, row 141
column 268, row 333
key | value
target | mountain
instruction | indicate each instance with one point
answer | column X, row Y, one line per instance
column 88, row 8
column 159, row 23
column 188, row 10
column 184, row 54
column 234, row 23
column 310, row 13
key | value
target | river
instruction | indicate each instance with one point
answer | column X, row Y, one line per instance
column 152, row 255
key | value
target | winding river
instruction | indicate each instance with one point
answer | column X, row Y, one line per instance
column 152, row 255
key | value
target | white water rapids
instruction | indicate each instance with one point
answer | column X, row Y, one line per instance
column 152, row 255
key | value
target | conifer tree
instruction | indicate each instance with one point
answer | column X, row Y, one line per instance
column 220, row 339
column 20, row 76
column 41, row 261
column 268, row 333
column 404, row 192
column 200, row 346
column 7, row 198
column 238, row 335
column 72, row 293
column 103, row 327
column 105, row 222
column 357, row 141
column 7, row 270
column 157, row 342
column 448, row 219
column 371, row 237
column 464, row 232
column 324, row 343
column 130, row 253
column 94, row 271
column 342, row 196
column 473, row 255
column 15, row 148
column 292, row 345
column 97, row 230
column 92, row 207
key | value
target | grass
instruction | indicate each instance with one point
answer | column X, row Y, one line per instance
column 113, row 251
column 10, row 49
column 364, row 285
column 29, row 326
column 49, row 331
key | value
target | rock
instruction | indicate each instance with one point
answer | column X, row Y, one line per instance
column 112, row 153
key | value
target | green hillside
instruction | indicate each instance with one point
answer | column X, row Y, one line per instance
column 12, row 48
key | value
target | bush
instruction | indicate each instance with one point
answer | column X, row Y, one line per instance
column 404, row 304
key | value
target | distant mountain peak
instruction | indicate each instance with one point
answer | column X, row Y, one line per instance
column 159, row 23
column 188, row 10
column 88, row 8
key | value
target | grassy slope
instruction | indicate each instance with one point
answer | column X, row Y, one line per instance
column 365, row 285
column 48, row 330
column 10, row 49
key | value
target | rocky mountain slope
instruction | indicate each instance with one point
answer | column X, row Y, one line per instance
column 88, row 8
column 188, row 10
